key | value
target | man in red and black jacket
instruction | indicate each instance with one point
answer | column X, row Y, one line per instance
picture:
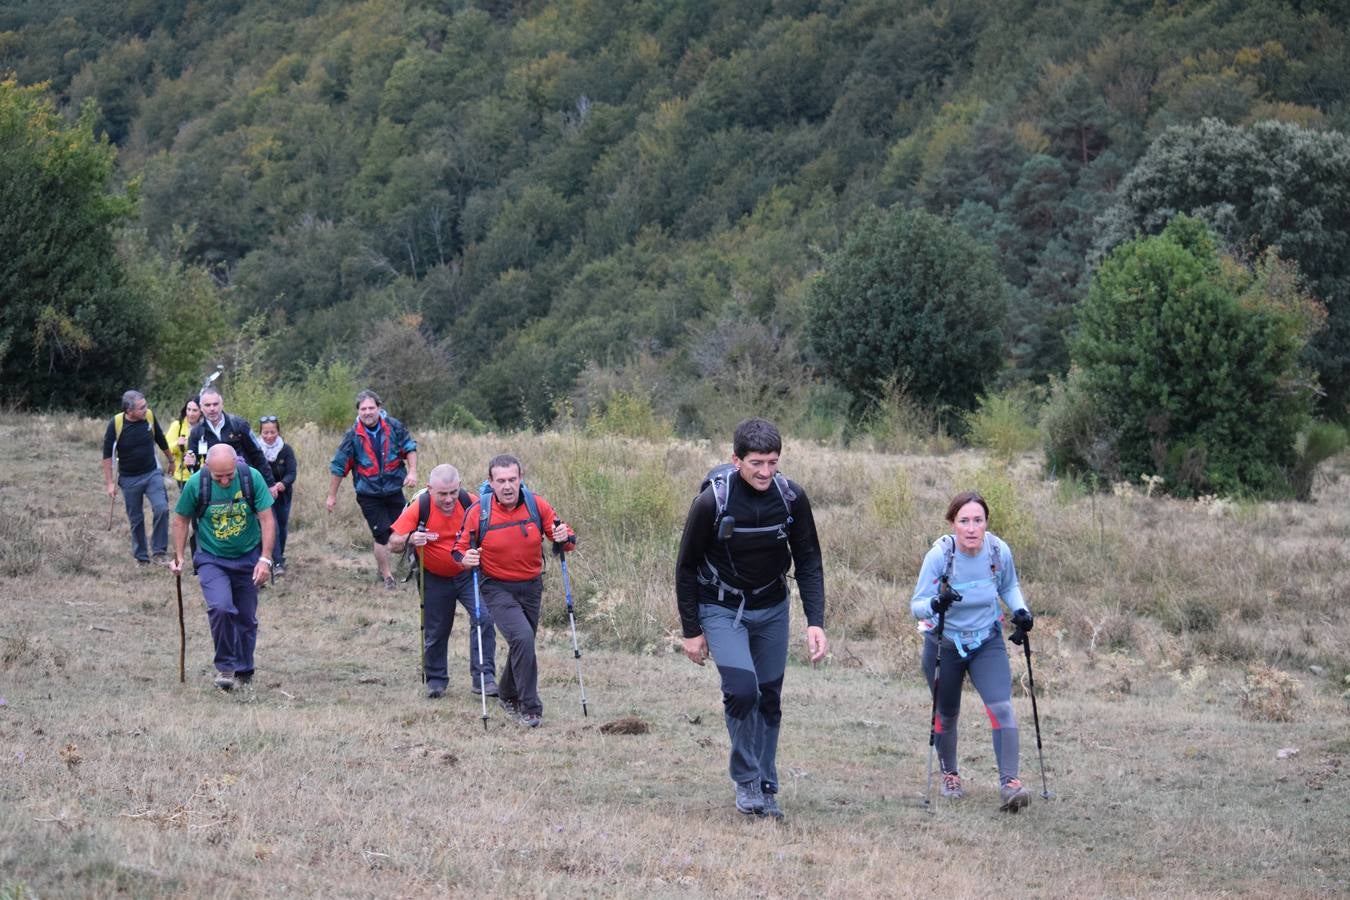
column 508, row 543
column 382, row 456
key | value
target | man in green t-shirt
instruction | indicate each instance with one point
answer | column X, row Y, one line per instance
column 233, row 557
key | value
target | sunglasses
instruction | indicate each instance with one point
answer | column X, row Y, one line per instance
column 263, row 420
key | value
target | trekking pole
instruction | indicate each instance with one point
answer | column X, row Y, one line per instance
column 571, row 618
column 112, row 506
column 478, row 621
column 932, row 714
column 422, row 606
column 182, row 630
column 1021, row 637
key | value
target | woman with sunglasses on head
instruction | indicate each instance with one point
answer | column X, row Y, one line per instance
column 964, row 576
column 281, row 458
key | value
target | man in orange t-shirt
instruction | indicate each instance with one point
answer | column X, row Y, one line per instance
column 510, row 550
column 446, row 581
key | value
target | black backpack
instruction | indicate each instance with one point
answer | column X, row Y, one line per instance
column 204, row 481
column 719, row 478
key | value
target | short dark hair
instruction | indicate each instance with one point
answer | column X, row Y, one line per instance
column 756, row 436
column 503, row 461
column 368, row 394
column 130, row 399
column 961, row 500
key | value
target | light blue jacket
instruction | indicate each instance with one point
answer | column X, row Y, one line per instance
column 981, row 580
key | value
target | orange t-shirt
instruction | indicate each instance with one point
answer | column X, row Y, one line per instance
column 514, row 552
column 437, row 552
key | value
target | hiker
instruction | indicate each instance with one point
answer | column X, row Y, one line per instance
column 504, row 532
column 133, row 435
column 963, row 577
column 747, row 527
column 218, row 426
column 383, row 457
column 184, row 459
column 230, row 502
column 430, row 524
column 281, row 457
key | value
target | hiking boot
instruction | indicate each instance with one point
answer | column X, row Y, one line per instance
column 509, row 705
column 390, row 583
column 530, row 720
column 750, row 798
column 435, row 691
column 951, row 786
column 771, row 807
column 225, row 681
column 491, row 688
column 243, row 678
column 1013, row 795
column 161, row 559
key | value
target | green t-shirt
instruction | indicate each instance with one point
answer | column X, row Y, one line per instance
column 229, row 529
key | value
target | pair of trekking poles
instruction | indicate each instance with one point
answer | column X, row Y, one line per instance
column 478, row 621
column 1017, row 637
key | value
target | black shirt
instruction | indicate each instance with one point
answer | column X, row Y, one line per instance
column 235, row 432
column 135, row 448
column 754, row 562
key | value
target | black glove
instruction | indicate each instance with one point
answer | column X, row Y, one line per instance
column 1022, row 620
column 945, row 598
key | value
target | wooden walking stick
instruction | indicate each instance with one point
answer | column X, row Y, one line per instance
column 112, row 506
column 182, row 631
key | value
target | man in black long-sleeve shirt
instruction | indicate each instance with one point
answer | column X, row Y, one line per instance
column 743, row 533
column 133, row 435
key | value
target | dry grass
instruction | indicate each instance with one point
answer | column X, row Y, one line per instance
column 1162, row 624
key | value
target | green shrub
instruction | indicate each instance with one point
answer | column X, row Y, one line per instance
column 628, row 414
column 1004, row 423
column 1316, row 444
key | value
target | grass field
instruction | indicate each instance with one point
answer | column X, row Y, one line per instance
column 1180, row 648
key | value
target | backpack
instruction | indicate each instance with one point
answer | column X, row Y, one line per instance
column 485, row 505
column 719, row 479
column 423, row 498
column 949, row 556
column 204, row 480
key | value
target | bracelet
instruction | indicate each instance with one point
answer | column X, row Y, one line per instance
column 266, row 560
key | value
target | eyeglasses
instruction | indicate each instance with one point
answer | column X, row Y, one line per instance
column 263, row 420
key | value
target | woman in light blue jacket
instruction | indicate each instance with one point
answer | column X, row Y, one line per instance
column 964, row 576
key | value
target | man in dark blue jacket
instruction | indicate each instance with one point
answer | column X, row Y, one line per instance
column 382, row 457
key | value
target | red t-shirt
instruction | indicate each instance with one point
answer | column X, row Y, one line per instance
column 513, row 553
column 437, row 552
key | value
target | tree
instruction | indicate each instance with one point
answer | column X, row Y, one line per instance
column 914, row 298
column 69, row 327
column 1187, row 366
column 1270, row 185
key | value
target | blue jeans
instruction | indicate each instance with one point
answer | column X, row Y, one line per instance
column 751, row 655
column 135, row 488
column 231, row 607
column 440, row 594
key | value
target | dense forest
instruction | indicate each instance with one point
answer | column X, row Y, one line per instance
column 506, row 212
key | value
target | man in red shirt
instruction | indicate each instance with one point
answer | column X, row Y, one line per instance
column 446, row 581
column 510, row 550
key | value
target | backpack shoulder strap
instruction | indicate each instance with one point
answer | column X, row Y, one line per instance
column 949, row 554
column 245, row 474
column 118, row 421
column 532, row 507
column 204, row 480
column 423, row 508
column 203, row 491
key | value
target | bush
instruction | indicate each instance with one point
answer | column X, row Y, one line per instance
column 1004, row 423
column 914, row 300
column 1191, row 362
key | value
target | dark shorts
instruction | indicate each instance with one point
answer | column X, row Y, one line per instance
column 380, row 512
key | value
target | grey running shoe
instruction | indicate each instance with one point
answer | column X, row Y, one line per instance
column 491, row 688
column 1013, row 795
column 279, row 569
column 225, row 681
column 951, row 786
column 530, row 720
column 771, row 807
column 749, row 798
column 390, row 583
